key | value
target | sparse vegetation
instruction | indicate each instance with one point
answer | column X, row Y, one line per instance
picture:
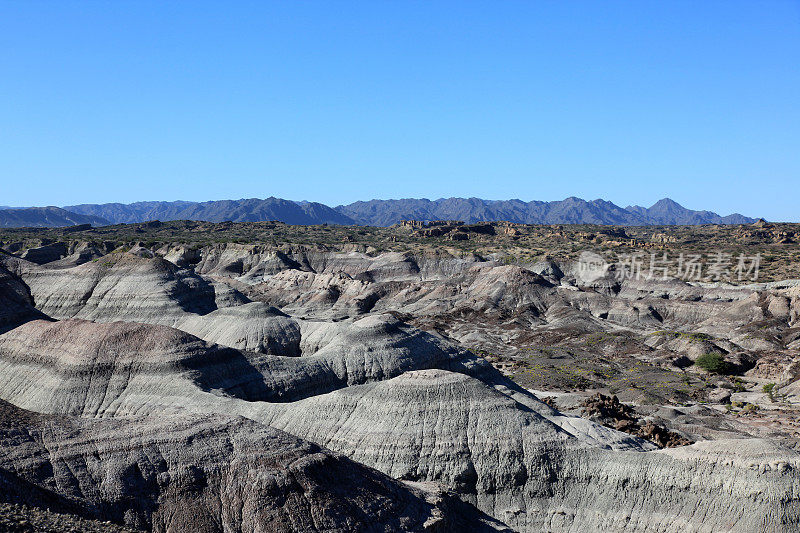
column 684, row 335
column 749, row 408
column 769, row 389
column 714, row 363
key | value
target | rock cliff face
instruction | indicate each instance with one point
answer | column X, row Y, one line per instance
column 210, row 473
column 17, row 304
column 163, row 398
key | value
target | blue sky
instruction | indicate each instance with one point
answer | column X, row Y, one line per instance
column 343, row 101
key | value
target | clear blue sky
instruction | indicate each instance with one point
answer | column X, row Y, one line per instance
column 343, row 101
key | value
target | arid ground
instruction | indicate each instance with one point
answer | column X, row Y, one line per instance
column 267, row 377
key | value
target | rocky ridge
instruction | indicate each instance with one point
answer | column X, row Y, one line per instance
column 242, row 346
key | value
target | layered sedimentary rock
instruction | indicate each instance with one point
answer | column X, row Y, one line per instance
column 517, row 466
column 209, row 473
column 120, row 368
column 478, row 302
column 495, row 445
column 119, row 286
column 254, row 327
column 317, row 282
column 333, row 285
column 337, row 366
column 16, row 304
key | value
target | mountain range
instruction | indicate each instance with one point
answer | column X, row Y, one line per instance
column 569, row 211
column 245, row 210
column 371, row 213
column 46, row 217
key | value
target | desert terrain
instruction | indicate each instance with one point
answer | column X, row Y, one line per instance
column 258, row 376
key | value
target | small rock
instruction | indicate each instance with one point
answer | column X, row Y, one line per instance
column 719, row 395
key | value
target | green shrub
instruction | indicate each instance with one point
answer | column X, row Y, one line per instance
column 714, row 363
column 768, row 390
column 749, row 408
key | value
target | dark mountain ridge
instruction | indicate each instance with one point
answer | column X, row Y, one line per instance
column 569, row 211
column 371, row 213
column 244, row 210
column 46, row 217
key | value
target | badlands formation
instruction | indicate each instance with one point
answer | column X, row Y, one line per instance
column 238, row 387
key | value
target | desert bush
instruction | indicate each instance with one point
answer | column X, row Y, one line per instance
column 749, row 408
column 714, row 363
column 768, row 389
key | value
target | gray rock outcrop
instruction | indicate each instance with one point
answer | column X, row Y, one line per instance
column 211, row 473
column 163, row 388
column 498, row 447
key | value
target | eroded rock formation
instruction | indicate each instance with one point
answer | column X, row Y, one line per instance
column 285, row 390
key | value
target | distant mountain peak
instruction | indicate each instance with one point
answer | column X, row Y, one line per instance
column 571, row 210
column 666, row 202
